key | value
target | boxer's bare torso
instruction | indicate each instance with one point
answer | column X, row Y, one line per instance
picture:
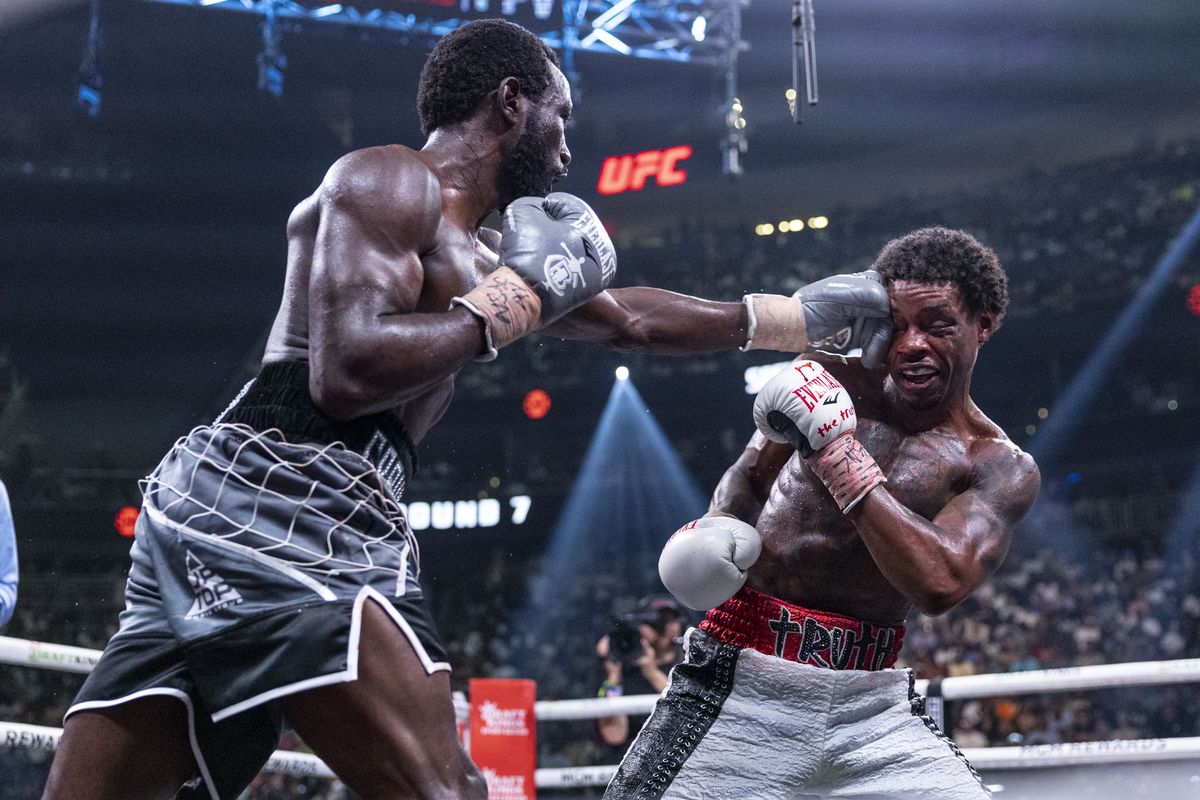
column 454, row 262
column 375, row 257
column 812, row 554
column 956, row 485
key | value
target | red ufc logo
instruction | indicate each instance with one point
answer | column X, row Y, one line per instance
column 630, row 172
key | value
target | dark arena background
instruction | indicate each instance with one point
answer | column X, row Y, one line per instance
column 151, row 151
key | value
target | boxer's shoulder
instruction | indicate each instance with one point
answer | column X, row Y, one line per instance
column 995, row 457
column 391, row 185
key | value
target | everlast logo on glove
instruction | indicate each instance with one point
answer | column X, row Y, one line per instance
column 816, row 387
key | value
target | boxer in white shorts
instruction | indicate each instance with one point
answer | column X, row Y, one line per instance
column 865, row 493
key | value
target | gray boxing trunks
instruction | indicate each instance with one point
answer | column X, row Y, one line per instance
column 254, row 552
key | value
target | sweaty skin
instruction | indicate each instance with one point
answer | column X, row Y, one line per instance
column 392, row 235
column 956, row 484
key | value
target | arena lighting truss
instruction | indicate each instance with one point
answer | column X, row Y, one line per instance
column 687, row 31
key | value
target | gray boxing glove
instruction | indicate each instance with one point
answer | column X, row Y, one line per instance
column 839, row 312
column 844, row 311
column 559, row 247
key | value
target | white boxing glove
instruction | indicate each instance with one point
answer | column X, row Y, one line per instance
column 808, row 408
column 704, row 563
column 804, row 406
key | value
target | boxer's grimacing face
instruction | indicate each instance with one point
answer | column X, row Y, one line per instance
column 935, row 341
column 540, row 157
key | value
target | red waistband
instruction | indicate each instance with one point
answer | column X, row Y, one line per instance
column 769, row 625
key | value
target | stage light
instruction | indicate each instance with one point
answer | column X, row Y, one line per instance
column 699, row 28
column 1172, row 405
column 765, row 229
column 797, row 225
column 536, row 404
column 494, row 482
column 1031, row 429
column 508, row 7
column 784, row 226
column 790, row 94
column 481, row 6
column 125, row 521
column 1043, row 413
column 622, row 373
column 1193, row 301
column 326, row 11
column 816, row 223
column 630, row 493
column 542, row 8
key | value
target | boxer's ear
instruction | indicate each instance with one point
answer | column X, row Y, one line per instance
column 511, row 103
column 986, row 325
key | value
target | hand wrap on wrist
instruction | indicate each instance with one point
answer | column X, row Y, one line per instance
column 776, row 323
column 508, row 306
column 847, row 470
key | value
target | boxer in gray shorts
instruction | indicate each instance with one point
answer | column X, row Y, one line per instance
column 274, row 576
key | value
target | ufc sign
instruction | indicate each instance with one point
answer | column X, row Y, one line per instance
column 630, row 172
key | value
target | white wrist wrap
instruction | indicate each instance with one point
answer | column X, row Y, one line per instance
column 508, row 307
column 847, row 470
column 776, row 323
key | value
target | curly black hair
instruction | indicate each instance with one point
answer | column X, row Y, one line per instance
column 942, row 255
column 469, row 62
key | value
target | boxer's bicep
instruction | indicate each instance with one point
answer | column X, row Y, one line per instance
column 375, row 222
column 981, row 520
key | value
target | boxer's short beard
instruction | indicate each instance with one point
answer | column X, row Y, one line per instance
column 524, row 171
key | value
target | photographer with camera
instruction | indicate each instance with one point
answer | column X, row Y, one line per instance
column 638, row 651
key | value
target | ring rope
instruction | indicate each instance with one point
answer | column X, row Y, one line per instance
column 1039, row 756
column 23, row 652
column 1097, row 676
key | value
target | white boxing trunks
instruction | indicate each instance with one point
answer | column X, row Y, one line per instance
column 738, row 723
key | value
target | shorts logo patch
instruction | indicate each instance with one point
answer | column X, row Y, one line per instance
column 212, row 591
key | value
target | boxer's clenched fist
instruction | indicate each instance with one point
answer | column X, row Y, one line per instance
column 558, row 245
column 808, row 408
column 704, row 563
column 838, row 312
column 804, row 406
column 555, row 255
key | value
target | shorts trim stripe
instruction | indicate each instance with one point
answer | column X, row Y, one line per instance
column 671, row 734
column 197, row 753
column 918, row 710
column 430, row 665
column 350, row 673
column 322, row 591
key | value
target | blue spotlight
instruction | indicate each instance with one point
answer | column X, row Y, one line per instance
column 632, row 492
column 1069, row 409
